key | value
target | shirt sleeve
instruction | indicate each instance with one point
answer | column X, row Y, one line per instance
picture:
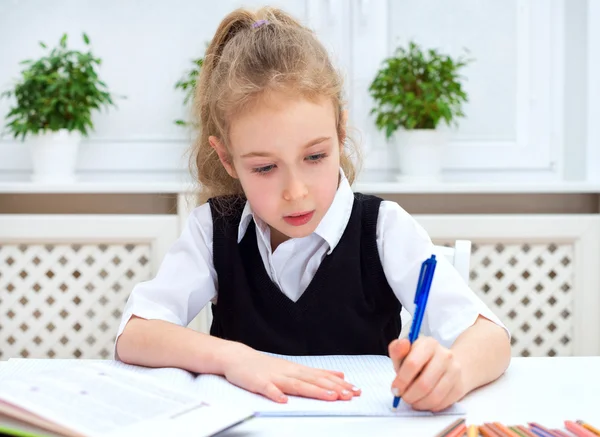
column 186, row 279
column 452, row 306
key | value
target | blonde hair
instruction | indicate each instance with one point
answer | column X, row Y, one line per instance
column 251, row 54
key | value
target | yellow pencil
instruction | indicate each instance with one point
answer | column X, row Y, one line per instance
column 473, row 431
column 589, row 427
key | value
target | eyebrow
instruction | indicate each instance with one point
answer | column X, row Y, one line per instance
column 267, row 154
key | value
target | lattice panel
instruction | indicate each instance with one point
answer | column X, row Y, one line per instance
column 529, row 286
column 65, row 300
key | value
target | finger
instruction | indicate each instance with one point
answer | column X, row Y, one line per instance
column 271, row 391
column 297, row 387
column 429, row 378
column 398, row 349
column 344, row 389
column 335, row 373
column 439, row 398
column 420, row 354
column 452, row 397
column 341, row 386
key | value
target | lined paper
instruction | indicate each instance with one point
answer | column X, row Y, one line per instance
column 372, row 374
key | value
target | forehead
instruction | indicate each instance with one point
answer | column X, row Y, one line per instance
column 280, row 119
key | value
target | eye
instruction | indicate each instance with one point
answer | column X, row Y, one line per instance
column 263, row 170
column 316, row 158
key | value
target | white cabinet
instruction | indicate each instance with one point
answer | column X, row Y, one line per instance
column 514, row 115
column 64, row 279
column 538, row 273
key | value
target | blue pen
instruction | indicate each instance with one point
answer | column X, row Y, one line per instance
column 421, row 296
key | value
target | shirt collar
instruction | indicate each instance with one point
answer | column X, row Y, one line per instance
column 332, row 225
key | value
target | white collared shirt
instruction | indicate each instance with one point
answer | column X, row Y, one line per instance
column 187, row 280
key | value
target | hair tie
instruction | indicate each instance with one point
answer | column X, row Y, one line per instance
column 259, row 23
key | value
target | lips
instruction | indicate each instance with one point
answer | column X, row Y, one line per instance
column 299, row 218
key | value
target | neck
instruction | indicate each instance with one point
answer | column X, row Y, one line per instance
column 277, row 238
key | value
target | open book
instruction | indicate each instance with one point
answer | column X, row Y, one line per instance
column 85, row 398
column 373, row 374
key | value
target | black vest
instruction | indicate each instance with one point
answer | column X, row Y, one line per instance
column 347, row 309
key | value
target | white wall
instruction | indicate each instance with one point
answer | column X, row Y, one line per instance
column 517, row 127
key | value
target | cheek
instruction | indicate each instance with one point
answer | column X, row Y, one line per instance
column 325, row 181
column 261, row 192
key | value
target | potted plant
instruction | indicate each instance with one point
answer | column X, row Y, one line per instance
column 55, row 98
column 413, row 92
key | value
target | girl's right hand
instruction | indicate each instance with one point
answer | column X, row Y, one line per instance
column 275, row 378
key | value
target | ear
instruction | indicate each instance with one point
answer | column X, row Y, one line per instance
column 224, row 156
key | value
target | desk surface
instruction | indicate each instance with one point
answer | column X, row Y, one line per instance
column 544, row 390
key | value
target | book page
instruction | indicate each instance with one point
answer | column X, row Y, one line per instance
column 93, row 399
column 172, row 377
column 372, row 374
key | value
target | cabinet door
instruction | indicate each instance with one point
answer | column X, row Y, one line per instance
column 64, row 280
column 537, row 273
column 514, row 114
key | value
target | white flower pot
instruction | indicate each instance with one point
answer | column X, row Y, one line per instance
column 54, row 156
column 420, row 154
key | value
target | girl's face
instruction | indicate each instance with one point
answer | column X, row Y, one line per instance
column 286, row 154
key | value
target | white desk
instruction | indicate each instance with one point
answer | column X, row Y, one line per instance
column 544, row 390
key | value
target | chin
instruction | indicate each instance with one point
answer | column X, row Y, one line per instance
column 298, row 231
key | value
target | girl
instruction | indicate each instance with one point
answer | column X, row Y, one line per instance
column 293, row 261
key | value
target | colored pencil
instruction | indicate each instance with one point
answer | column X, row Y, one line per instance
column 526, row 431
column 518, row 431
column 496, row 429
column 459, row 431
column 545, row 431
column 559, row 433
column 473, row 431
column 505, row 431
column 578, row 430
column 449, row 428
column 486, row 431
column 539, row 433
column 589, row 427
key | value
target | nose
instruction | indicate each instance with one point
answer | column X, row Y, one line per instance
column 294, row 188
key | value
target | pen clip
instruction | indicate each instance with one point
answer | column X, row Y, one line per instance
column 420, row 281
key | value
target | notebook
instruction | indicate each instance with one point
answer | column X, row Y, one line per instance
column 372, row 374
column 80, row 399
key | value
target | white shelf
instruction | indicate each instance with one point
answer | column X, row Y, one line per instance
column 163, row 187
column 476, row 188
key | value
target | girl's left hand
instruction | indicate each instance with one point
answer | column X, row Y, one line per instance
column 429, row 377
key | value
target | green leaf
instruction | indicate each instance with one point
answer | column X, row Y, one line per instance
column 416, row 88
column 59, row 90
column 86, row 39
column 188, row 84
column 43, row 45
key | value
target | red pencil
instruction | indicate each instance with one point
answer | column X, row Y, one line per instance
column 459, row 431
column 446, row 431
column 578, row 430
